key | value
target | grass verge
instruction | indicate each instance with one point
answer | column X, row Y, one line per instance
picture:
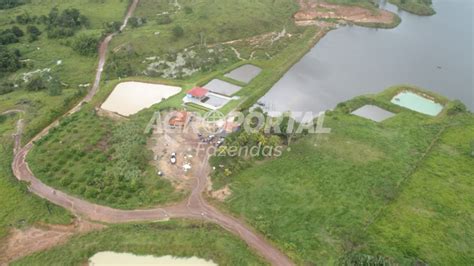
column 176, row 238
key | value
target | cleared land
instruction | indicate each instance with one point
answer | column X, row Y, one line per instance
column 129, row 98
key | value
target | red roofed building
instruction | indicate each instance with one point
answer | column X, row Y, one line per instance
column 197, row 93
column 179, row 119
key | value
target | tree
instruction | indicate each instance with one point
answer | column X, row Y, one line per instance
column 178, row 31
column 9, row 60
column 86, row 45
column 17, row 31
column 33, row 32
column 6, row 87
column 24, row 19
column 55, row 88
column 112, row 26
column 65, row 23
column 8, row 37
column 456, row 107
column 36, row 84
column 6, row 4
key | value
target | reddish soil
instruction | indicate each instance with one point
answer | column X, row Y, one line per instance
column 22, row 243
column 311, row 10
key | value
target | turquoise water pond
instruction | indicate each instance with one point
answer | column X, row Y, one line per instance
column 417, row 103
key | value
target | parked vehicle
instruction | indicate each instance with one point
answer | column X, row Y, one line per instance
column 173, row 159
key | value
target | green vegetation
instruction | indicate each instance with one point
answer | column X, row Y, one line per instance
column 105, row 162
column 9, row 60
column 44, row 58
column 18, row 207
column 20, row 63
column 86, row 45
column 370, row 4
column 431, row 221
column 418, row 7
column 317, row 200
column 5, row 4
column 201, row 28
column 65, row 23
column 176, row 238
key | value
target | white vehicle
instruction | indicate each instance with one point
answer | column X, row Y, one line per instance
column 173, row 159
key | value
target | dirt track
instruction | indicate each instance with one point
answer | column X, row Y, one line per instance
column 195, row 207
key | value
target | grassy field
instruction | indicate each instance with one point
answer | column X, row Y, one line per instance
column 418, row 7
column 18, row 207
column 431, row 221
column 181, row 239
column 317, row 199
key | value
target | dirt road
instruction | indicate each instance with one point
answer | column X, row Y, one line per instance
column 195, row 207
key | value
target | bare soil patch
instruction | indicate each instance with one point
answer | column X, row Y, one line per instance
column 21, row 243
column 183, row 144
column 311, row 10
column 222, row 194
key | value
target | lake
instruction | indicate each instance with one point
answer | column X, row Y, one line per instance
column 433, row 52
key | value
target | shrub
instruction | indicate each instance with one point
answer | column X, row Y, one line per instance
column 6, row 88
column 36, row 84
column 164, row 19
column 136, row 22
column 456, row 107
column 55, row 88
column 6, row 4
column 9, row 60
column 188, row 10
column 33, row 32
column 24, row 19
column 17, row 31
column 110, row 27
column 86, row 45
column 178, row 31
column 8, row 37
column 66, row 23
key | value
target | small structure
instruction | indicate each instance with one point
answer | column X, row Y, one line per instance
column 179, row 119
column 205, row 98
column 222, row 87
column 197, row 93
column 245, row 73
column 373, row 113
column 419, row 103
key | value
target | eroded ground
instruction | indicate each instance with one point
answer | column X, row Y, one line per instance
column 23, row 242
column 313, row 10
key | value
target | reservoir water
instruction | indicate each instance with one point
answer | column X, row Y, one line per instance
column 433, row 52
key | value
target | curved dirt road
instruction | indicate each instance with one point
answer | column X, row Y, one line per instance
column 195, row 207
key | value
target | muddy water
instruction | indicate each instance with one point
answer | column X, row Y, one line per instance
column 431, row 52
column 111, row 258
